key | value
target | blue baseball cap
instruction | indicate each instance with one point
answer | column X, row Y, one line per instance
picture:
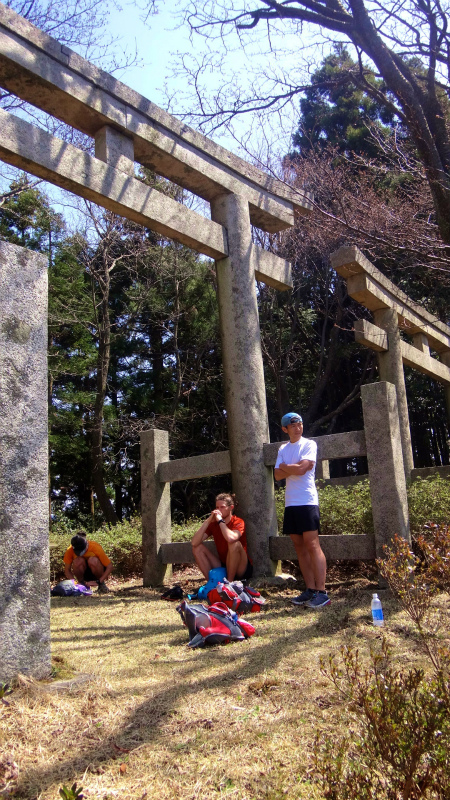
column 289, row 418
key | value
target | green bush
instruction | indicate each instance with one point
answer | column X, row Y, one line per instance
column 397, row 720
column 122, row 544
column 429, row 501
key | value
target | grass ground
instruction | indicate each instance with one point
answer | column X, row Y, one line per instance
column 149, row 718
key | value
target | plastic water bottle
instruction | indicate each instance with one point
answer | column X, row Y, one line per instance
column 377, row 611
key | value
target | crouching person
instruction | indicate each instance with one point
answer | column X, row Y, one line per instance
column 228, row 533
column 87, row 562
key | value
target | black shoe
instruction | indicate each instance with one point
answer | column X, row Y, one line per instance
column 174, row 593
column 102, row 587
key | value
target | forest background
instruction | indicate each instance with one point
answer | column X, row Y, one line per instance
column 133, row 321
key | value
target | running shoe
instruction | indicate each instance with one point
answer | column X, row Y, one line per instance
column 303, row 598
column 320, row 599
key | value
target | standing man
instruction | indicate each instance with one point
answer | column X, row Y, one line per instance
column 296, row 462
column 229, row 537
column 87, row 562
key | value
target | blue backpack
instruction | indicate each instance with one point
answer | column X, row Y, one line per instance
column 68, row 588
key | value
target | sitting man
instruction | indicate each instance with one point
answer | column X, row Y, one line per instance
column 87, row 562
column 228, row 533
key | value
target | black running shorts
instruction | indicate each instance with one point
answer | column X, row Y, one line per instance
column 298, row 519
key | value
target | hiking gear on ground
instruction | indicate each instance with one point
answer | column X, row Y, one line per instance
column 240, row 598
column 67, row 588
column 320, row 599
column 215, row 624
column 214, row 576
column 102, row 587
column 174, row 593
column 303, row 598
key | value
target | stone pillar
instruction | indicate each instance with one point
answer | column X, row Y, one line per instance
column 24, row 549
column 390, row 368
column 323, row 470
column 445, row 358
column 385, row 460
column 155, row 500
column 245, row 395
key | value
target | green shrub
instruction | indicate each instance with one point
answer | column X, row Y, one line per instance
column 429, row 501
column 122, row 544
column 343, row 509
column 397, row 743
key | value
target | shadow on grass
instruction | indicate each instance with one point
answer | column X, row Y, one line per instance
column 235, row 664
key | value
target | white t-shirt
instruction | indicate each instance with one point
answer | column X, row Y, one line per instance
column 300, row 489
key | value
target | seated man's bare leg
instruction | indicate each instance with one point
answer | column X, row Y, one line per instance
column 204, row 559
column 79, row 568
column 304, row 561
column 317, row 558
column 237, row 560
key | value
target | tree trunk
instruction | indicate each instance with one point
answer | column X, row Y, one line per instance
column 104, row 349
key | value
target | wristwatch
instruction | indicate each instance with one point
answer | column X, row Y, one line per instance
column 221, row 520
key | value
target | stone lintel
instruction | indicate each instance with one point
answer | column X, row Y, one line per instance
column 335, row 445
column 367, row 285
column 343, row 548
column 371, row 335
column 181, row 552
column 429, row 472
column 413, row 357
column 188, row 469
column 33, row 150
column 354, row 547
column 50, row 76
column 374, row 337
column 271, row 269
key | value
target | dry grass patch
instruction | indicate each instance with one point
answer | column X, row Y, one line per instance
column 155, row 720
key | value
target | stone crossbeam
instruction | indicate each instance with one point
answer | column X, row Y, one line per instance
column 367, row 285
column 32, row 149
column 336, row 547
column 335, row 445
column 188, row 469
column 40, row 70
column 374, row 337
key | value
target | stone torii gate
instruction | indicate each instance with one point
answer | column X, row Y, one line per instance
column 393, row 311
column 126, row 128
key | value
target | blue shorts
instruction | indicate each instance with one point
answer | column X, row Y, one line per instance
column 298, row 519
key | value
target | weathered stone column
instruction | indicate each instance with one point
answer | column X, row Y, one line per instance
column 155, row 500
column 323, row 470
column 24, row 550
column 385, row 459
column 390, row 368
column 245, row 395
column 445, row 358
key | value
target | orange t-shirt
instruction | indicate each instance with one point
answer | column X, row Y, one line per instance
column 94, row 549
column 214, row 530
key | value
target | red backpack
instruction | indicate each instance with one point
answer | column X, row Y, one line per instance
column 216, row 624
column 240, row 598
